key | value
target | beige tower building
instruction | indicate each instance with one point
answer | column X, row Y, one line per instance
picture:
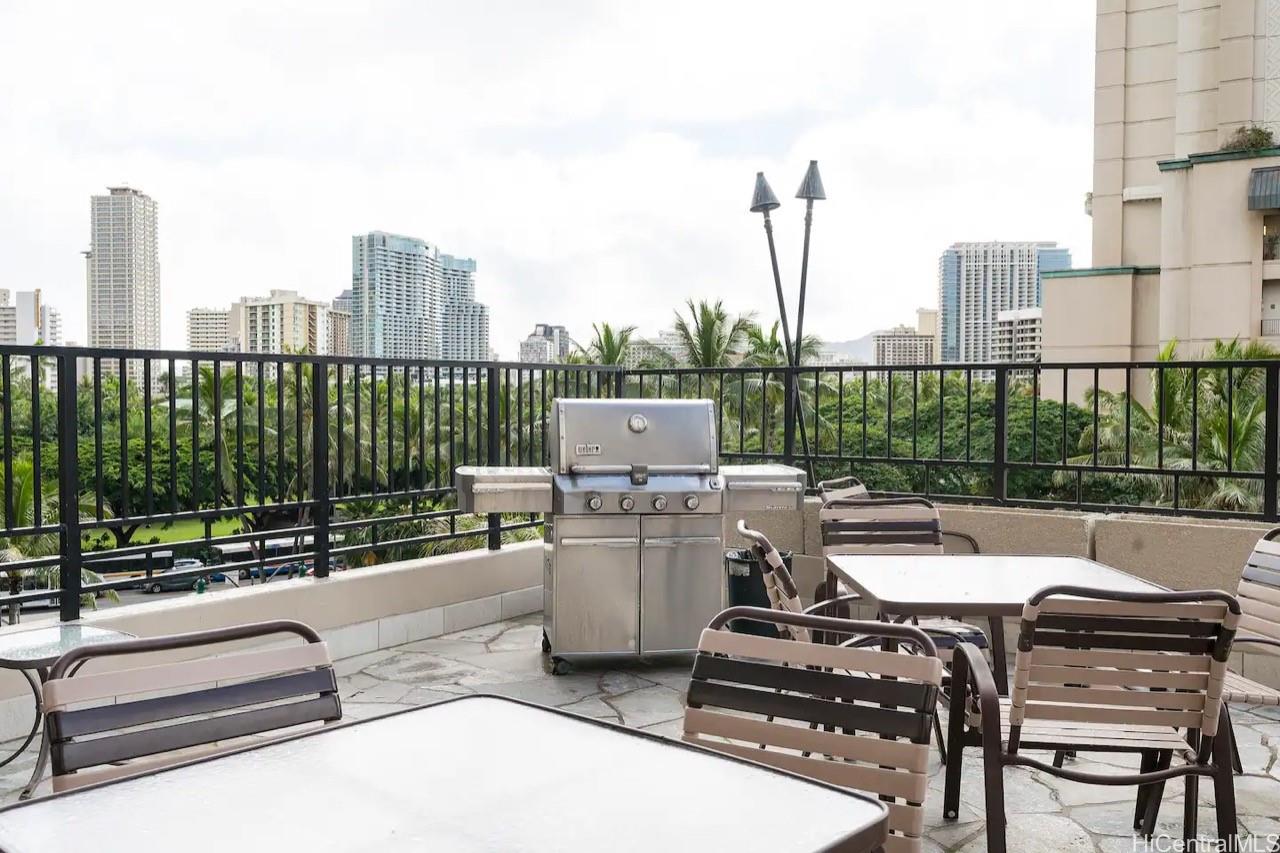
column 123, row 274
column 1183, row 231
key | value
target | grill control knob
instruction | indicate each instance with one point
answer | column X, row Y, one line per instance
column 691, row 502
column 659, row 502
column 627, row 503
column 594, row 502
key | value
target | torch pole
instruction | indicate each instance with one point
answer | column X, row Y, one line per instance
column 791, row 409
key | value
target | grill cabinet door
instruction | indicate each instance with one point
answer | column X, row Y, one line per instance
column 596, row 585
column 681, row 580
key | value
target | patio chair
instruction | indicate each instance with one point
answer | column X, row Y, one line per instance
column 1259, row 596
column 204, row 706
column 1104, row 671
column 778, row 583
column 899, row 525
column 842, row 488
column 855, row 717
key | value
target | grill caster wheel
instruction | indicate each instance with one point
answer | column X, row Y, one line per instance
column 546, row 644
column 560, row 666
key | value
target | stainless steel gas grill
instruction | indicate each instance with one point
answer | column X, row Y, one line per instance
column 634, row 502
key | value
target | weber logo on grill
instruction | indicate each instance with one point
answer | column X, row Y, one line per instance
column 587, row 449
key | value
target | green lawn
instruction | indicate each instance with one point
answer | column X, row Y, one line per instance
column 178, row 531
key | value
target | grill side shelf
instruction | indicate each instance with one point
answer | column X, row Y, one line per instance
column 483, row 488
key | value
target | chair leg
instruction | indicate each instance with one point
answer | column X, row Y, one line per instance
column 1191, row 812
column 993, row 782
column 955, row 755
column 937, row 732
column 1224, row 792
column 1225, row 726
column 1146, row 765
column 1059, row 756
column 1155, row 795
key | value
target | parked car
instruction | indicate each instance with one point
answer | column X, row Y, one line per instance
column 299, row 568
column 166, row 582
column 193, row 563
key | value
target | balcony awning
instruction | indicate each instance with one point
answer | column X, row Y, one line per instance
column 1264, row 189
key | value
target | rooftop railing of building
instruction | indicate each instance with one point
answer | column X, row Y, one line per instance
column 262, row 461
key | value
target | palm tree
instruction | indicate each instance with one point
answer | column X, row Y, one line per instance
column 1188, row 423
column 18, row 549
column 609, row 346
column 768, row 350
column 709, row 335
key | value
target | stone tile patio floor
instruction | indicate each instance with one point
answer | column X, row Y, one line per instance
column 1044, row 813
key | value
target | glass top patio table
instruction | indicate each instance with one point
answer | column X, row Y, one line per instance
column 970, row 584
column 40, row 647
column 469, row 774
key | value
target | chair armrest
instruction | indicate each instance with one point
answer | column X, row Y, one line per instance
column 1257, row 641
column 971, row 676
column 820, row 606
column 1271, row 534
column 973, row 543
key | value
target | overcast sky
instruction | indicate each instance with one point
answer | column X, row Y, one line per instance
column 596, row 158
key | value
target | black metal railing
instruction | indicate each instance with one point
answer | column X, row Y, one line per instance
column 1193, row 437
column 263, row 464
column 117, row 462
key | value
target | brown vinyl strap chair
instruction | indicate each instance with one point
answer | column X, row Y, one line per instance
column 898, row 525
column 842, row 488
column 1104, row 671
column 1259, row 596
column 855, row 717
column 94, row 733
column 778, row 583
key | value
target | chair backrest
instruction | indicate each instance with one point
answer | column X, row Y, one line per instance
column 1259, row 595
column 842, row 489
column 1090, row 656
column 778, row 583
column 880, row 526
column 178, row 706
column 855, row 717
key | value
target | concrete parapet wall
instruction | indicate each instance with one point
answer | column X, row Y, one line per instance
column 357, row 611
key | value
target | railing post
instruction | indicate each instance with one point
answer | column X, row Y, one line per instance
column 789, row 415
column 493, row 451
column 618, row 382
column 320, row 467
column 999, row 458
column 1270, row 452
column 68, row 489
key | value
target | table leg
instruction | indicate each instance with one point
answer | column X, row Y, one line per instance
column 999, row 659
column 35, row 725
column 42, row 758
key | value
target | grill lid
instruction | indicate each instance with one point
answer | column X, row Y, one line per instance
column 634, row 437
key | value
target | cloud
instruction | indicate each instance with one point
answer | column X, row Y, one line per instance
column 596, row 158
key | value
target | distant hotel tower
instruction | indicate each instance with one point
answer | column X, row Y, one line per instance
column 123, row 275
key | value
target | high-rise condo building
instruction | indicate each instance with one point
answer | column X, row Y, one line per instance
column 976, row 281
column 547, row 344
column 123, row 274
column 1017, row 335
column 395, row 297
column 342, row 302
column 280, row 322
column 209, row 330
column 464, row 330
column 905, row 345
column 29, row 320
column 409, row 300
column 339, row 335
column 1186, row 185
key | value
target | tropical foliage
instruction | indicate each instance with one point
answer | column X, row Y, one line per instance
column 234, row 446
